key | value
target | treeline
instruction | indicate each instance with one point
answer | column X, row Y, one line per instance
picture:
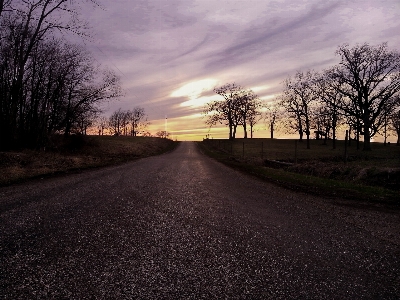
column 125, row 122
column 361, row 93
column 47, row 85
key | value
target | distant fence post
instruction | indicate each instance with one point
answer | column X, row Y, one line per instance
column 295, row 151
column 345, row 146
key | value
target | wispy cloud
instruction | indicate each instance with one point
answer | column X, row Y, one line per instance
column 160, row 46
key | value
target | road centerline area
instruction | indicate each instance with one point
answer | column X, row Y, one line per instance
column 182, row 226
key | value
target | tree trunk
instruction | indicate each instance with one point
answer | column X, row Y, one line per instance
column 367, row 135
column 301, row 135
column 234, row 132
column 334, row 132
column 318, row 130
column 300, row 128
column 272, row 130
column 308, row 131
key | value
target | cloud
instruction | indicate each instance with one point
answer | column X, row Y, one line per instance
column 194, row 89
column 170, row 54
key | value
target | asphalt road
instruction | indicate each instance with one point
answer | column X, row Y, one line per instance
column 182, row 226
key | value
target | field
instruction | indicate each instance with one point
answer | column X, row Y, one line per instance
column 285, row 150
column 294, row 164
column 76, row 153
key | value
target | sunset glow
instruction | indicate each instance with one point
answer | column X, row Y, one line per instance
column 171, row 54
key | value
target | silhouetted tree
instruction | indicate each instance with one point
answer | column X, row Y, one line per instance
column 368, row 77
column 41, row 87
column 162, row 134
column 138, row 120
column 238, row 107
column 116, row 121
column 248, row 105
column 272, row 115
column 297, row 98
column 394, row 121
column 330, row 102
column 102, row 123
column 224, row 112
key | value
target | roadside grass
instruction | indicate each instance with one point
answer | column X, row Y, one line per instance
column 76, row 153
column 368, row 176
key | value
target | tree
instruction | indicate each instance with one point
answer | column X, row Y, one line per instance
column 272, row 116
column 248, row 105
column 31, row 21
column 116, row 122
column 238, row 107
column 224, row 112
column 85, row 119
column 101, row 122
column 298, row 95
column 147, row 134
column 368, row 76
column 330, row 100
column 138, row 120
column 4, row 5
column 35, row 71
column 394, row 121
column 162, row 134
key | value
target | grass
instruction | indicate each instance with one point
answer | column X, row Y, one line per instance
column 76, row 153
column 372, row 176
column 284, row 150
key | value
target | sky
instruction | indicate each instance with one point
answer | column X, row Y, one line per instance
column 170, row 54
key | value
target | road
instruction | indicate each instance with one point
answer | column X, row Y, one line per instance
column 182, row 226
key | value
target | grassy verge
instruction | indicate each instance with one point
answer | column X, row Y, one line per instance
column 305, row 183
column 77, row 153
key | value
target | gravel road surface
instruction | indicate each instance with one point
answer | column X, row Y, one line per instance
column 182, row 226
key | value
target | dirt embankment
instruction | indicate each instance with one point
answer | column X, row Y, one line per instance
column 77, row 153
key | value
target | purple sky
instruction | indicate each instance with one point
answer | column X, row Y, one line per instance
column 171, row 53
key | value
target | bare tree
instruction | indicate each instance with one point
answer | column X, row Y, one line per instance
column 26, row 30
column 248, row 105
column 298, row 95
column 147, row 134
column 394, row 120
column 84, row 119
column 4, row 5
column 138, row 120
column 225, row 111
column 272, row 115
column 162, row 134
column 116, row 122
column 238, row 107
column 322, row 121
column 102, row 122
column 331, row 101
column 368, row 76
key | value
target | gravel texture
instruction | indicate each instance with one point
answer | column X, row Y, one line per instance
column 182, row 226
